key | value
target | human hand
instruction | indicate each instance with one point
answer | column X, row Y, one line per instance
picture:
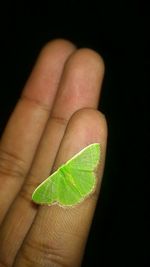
column 54, row 119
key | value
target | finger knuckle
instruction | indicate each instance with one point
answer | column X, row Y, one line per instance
column 11, row 165
column 41, row 254
column 58, row 119
column 28, row 188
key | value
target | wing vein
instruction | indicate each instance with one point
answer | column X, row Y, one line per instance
column 71, row 183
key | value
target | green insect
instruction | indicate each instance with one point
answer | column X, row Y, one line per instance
column 73, row 181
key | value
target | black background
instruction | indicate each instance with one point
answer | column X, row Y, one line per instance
column 119, row 31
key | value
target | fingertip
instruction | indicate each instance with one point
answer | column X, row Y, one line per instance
column 43, row 82
column 89, row 58
column 85, row 127
column 60, row 45
column 91, row 122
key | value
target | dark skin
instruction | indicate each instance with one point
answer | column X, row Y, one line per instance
column 55, row 117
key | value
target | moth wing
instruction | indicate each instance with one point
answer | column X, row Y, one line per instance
column 47, row 191
column 79, row 178
column 68, row 192
column 86, row 160
column 72, row 185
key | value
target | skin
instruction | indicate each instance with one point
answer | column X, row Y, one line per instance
column 55, row 117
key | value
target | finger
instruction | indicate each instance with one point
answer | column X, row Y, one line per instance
column 58, row 235
column 79, row 87
column 26, row 125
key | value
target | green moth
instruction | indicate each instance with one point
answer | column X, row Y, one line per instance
column 72, row 182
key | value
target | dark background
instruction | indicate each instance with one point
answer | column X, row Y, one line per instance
column 119, row 31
